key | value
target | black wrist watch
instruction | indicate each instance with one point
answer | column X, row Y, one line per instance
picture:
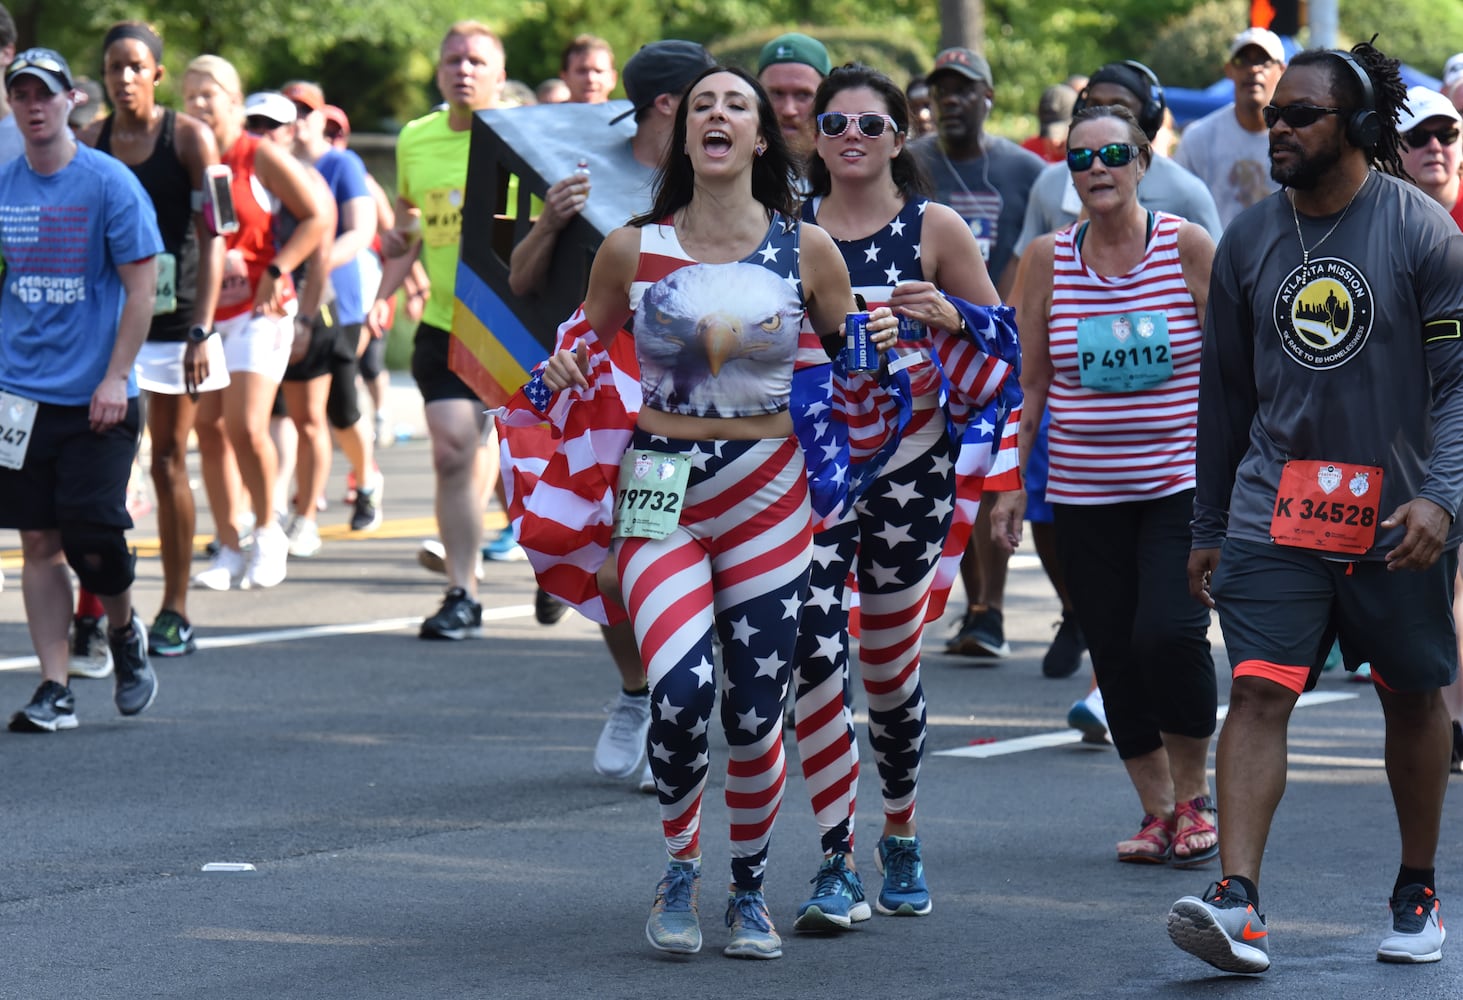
column 198, row 334
column 272, row 269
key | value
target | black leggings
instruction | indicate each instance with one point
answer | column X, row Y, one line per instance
column 1125, row 567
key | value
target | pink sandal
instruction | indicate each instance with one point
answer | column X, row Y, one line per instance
column 1156, row 833
column 1198, row 826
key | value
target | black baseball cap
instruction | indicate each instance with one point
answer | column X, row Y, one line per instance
column 664, row 67
column 46, row 65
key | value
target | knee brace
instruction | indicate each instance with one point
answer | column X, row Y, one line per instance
column 342, row 408
column 99, row 555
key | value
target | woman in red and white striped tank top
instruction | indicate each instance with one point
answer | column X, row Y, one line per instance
column 1109, row 311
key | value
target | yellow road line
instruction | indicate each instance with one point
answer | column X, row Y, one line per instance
column 406, row 527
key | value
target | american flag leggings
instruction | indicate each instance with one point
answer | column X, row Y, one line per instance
column 893, row 539
column 737, row 563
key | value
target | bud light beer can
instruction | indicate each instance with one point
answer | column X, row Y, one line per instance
column 862, row 355
column 911, row 328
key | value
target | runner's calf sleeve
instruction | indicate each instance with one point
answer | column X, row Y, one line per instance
column 99, row 555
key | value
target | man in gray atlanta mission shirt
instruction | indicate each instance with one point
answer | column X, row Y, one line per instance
column 1330, row 472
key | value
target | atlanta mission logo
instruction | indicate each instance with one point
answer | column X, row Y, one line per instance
column 1324, row 313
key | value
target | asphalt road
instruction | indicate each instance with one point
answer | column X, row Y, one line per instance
column 424, row 821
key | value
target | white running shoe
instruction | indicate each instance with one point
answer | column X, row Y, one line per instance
column 304, row 537
column 622, row 741
column 647, row 780
column 267, row 560
column 225, row 571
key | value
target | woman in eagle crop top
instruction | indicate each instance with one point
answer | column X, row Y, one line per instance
column 255, row 321
column 904, row 251
column 713, row 518
column 1110, row 313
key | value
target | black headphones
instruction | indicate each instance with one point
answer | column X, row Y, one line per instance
column 1150, row 118
column 1363, row 126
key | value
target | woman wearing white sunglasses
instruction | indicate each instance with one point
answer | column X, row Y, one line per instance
column 920, row 259
column 1110, row 311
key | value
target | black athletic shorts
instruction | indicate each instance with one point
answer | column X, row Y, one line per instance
column 330, row 347
column 429, row 367
column 71, row 473
column 1281, row 608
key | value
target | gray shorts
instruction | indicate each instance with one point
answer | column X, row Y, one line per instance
column 1281, row 608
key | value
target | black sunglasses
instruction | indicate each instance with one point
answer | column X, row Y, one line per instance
column 1114, row 154
column 1297, row 115
column 1420, row 137
column 870, row 123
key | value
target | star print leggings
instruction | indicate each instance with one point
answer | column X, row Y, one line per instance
column 895, row 534
column 738, row 564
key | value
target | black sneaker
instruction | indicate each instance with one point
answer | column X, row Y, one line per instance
column 460, row 617
column 547, row 608
column 171, row 635
column 136, row 685
column 1457, row 748
column 366, row 515
column 51, row 708
column 982, row 634
column 1064, row 656
column 90, row 655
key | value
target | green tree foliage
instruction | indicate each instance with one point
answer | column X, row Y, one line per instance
column 1190, row 50
column 1422, row 33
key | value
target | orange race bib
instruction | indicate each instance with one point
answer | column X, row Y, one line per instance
column 1327, row 506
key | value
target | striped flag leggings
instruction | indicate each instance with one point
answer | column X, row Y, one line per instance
column 738, row 563
column 893, row 539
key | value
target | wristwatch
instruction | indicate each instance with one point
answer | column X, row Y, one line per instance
column 272, row 269
column 198, row 334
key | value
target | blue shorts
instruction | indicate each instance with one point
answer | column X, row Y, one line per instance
column 1038, row 464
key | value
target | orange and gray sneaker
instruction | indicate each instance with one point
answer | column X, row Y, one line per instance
column 1223, row 928
column 1417, row 927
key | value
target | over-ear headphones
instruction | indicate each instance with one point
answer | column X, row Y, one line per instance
column 1150, row 118
column 1364, row 125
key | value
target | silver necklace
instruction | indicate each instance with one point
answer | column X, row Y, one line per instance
column 1305, row 252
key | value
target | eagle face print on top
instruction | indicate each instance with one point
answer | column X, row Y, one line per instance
column 718, row 340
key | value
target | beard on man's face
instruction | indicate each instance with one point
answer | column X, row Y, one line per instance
column 1303, row 170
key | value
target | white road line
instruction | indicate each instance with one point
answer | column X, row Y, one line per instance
column 1062, row 737
column 307, row 632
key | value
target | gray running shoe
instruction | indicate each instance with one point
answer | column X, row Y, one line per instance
column 1222, row 928
column 52, row 708
column 136, row 684
column 1417, row 927
column 753, row 935
column 673, row 924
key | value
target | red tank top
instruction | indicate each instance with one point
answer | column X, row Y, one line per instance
column 251, row 248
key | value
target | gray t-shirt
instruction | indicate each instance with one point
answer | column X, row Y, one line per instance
column 1166, row 187
column 12, row 144
column 1230, row 159
column 989, row 192
column 1358, row 361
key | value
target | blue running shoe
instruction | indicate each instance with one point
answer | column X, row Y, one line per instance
column 753, row 935
column 905, row 893
column 838, row 899
column 673, row 924
column 504, row 548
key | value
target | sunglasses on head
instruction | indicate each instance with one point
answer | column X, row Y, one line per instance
column 1297, row 115
column 1114, row 154
column 1420, row 137
column 870, row 124
column 34, row 60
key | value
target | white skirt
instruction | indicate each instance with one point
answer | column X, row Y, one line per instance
column 159, row 367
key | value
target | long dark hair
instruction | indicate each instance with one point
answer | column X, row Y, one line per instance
column 908, row 175
column 772, row 172
column 1389, row 95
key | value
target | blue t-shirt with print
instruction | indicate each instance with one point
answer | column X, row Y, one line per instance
column 346, row 175
column 62, row 238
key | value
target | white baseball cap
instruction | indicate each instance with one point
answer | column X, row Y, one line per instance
column 1423, row 104
column 1262, row 37
column 1453, row 70
column 271, row 104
